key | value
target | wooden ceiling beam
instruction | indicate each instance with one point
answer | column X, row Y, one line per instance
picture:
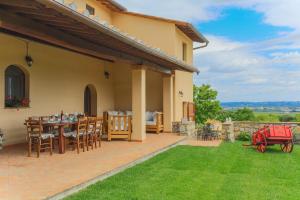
column 17, row 3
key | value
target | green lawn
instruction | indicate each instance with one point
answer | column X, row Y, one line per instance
column 228, row 172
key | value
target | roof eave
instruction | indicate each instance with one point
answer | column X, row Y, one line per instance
column 180, row 64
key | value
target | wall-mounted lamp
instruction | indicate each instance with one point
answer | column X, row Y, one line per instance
column 181, row 93
column 106, row 74
column 28, row 58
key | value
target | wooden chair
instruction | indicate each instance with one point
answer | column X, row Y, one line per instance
column 119, row 127
column 156, row 126
column 78, row 137
column 90, row 132
column 35, row 136
column 98, row 132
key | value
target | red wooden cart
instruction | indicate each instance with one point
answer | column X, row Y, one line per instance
column 271, row 135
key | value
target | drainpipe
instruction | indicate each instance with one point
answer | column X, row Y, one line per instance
column 203, row 46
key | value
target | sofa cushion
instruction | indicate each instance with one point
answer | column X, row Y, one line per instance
column 150, row 123
column 113, row 113
column 149, row 116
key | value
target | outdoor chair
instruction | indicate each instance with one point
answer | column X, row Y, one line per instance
column 78, row 137
column 36, row 137
column 99, row 130
column 90, row 132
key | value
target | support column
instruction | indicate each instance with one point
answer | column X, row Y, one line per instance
column 168, row 99
column 139, row 104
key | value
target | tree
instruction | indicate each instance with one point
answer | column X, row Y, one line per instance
column 224, row 114
column 207, row 107
column 244, row 114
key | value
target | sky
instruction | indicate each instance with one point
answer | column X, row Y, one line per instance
column 254, row 49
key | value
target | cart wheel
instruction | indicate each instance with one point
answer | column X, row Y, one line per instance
column 262, row 146
column 287, row 147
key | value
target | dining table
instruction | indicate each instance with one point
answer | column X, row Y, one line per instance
column 61, row 128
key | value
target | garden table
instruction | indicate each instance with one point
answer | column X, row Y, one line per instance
column 61, row 137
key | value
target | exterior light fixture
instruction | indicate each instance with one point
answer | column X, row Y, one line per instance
column 181, row 93
column 106, row 74
column 28, row 58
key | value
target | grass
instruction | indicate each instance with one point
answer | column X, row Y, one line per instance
column 228, row 172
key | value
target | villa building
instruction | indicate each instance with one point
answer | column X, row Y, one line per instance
column 92, row 56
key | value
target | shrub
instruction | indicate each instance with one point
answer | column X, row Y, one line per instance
column 244, row 136
column 287, row 118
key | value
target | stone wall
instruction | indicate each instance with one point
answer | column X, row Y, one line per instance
column 240, row 126
column 184, row 128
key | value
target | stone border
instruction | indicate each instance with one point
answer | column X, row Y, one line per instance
column 113, row 172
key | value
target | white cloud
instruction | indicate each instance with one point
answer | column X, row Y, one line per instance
column 239, row 73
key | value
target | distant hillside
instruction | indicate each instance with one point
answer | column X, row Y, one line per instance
column 261, row 104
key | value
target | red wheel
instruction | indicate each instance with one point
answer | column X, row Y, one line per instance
column 261, row 148
column 262, row 145
column 287, row 147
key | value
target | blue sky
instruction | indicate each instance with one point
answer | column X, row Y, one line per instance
column 254, row 50
column 242, row 25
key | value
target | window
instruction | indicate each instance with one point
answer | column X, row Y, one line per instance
column 184, row 53
column 15, row 88
column 90, row 9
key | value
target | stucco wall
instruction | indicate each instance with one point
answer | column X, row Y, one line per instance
column 157, row 33
column 57, row 81
column 183, row 81
column 123, row 88
column 179, row 40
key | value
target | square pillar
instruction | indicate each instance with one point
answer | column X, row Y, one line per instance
column 168, row 99
column 139, row 104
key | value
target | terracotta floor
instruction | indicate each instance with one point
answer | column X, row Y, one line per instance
column 25, row 178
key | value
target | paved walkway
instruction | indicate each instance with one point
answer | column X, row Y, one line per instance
column 201, row 143
column 33, row 178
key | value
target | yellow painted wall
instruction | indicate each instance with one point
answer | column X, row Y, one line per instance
column 123, row 88
column 183, row 81
column 157, row 33
column 57, row 81
column 180, row 39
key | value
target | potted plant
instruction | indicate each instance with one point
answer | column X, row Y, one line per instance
column 14, row 102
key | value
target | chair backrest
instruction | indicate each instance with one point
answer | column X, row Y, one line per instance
column 91, row 125
column 34, row 127
column 45, row 118
column 99, row 125
column 82, row 124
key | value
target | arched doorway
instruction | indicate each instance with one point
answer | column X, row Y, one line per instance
column 90, row 101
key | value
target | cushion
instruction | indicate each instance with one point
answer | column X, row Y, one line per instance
column 44, row 135
column 73, row 134
column 150, row 123
column 149, row 116
column 113, row 113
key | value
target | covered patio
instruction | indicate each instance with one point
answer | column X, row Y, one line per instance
column 26, row 178
column 74, row 59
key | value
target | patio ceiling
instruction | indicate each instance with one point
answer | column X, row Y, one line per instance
column 50, row 22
